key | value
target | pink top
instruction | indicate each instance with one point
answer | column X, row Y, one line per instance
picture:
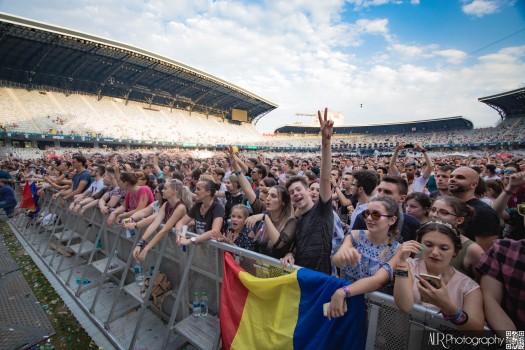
column 459, row 286
column 132, row 200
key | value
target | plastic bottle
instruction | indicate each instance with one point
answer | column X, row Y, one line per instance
column 139, row 274
column 48, row 345
column 204, row 304
column 196, row 305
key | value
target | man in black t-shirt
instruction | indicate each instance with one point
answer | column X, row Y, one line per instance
column 315, row 222
column 484, row 226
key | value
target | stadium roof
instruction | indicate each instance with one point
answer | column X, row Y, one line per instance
column 442, row 124
column 509, row 104
column 36, row 54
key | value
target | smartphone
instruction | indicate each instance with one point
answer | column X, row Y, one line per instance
column 434, row 281
column 409, row 145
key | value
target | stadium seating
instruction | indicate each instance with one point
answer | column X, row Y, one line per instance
column 76, row 114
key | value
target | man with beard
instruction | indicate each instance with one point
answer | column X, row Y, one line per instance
column 484, row 226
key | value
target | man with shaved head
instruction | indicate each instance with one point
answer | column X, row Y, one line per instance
column 484, row 226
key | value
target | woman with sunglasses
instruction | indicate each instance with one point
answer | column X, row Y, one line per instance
column 455, row 212
column 367, row 257
column 178, row 202
column 457, row 297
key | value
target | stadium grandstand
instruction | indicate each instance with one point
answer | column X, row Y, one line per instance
column 54, row 80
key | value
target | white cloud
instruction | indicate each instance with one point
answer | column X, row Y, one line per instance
column 300, row 55
column 452, row 56
column 359, row 4
column 480, row 8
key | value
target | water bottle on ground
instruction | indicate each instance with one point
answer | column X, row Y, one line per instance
column 196, row 305
column 204, row 304
column 139, row 274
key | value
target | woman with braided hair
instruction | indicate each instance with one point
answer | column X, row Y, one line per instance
column 367, row 257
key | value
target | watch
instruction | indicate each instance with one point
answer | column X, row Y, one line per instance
column 193, row 240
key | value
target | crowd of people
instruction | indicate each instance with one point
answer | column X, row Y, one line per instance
column 445, row 233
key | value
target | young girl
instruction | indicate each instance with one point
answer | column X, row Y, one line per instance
column 238, row 234
column 458, row 298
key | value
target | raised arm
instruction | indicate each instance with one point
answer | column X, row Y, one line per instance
column 243, row 181
column 500, row 204
column 428, row 160
column 392, row 169
column 327, row 130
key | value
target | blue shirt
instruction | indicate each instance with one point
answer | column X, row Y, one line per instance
column 7, row 195
column 79, row 177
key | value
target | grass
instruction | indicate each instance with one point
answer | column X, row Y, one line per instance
column 69, row 333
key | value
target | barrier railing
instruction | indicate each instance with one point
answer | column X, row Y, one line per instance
column 105, row 289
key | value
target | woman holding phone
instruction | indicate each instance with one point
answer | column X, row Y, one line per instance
column 456, row 296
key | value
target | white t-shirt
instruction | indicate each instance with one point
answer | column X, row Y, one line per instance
column 418, row 185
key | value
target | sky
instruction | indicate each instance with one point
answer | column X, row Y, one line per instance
column 375, row 61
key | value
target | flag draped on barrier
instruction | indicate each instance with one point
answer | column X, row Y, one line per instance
column 29, row 197
column 286, row 312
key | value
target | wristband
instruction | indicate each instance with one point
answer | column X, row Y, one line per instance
column 264, row 217
column 346, row 289
column 453, row 317
column 509, row 192
column 423, row 151
column 237, row 173
column 401, row 273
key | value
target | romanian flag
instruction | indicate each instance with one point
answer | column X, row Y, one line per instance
column 286, row 312
column 29, row 197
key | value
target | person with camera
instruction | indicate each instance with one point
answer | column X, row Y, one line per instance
column 415, row 184
column 429, row 279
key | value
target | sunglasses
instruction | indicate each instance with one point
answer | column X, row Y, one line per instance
column 508, row 171
column 440, row 212
column 375, row 215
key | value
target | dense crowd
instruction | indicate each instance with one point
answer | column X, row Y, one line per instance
column 442, row 232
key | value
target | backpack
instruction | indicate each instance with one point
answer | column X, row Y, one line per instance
column 160, row 288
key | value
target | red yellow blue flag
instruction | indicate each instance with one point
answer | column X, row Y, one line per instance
column 286, row 312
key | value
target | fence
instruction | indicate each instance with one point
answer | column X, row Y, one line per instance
column 94, row 264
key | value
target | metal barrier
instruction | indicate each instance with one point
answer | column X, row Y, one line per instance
column 103, row 287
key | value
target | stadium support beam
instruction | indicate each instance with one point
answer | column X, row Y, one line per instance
column 500, row 110
column 143, row 73
column 43, row 53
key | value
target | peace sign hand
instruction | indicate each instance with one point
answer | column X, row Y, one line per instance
column 327, row 125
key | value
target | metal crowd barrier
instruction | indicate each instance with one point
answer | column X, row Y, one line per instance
column 94, row 263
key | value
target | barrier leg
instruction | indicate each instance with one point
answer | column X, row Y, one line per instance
column 106, row 268
column 91, row 255
column 182, row 286
column 146, row 302
column 122, row 281
column 77, row 256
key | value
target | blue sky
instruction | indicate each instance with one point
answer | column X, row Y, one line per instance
column 401, row 59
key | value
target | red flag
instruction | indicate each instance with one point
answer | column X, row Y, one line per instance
column 27, row 198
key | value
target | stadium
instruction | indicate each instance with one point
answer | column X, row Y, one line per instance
column 64, row 92
column 54, row 80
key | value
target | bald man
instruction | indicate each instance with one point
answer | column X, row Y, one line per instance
column 484, row 226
